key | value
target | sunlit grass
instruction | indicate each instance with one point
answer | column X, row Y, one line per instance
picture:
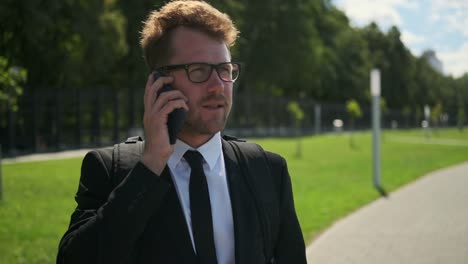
column 36, row 206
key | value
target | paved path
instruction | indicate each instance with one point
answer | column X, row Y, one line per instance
column 424, row 222
column 47, row 156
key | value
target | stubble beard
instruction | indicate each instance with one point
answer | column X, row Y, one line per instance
column 195, row 124
column 198, row 126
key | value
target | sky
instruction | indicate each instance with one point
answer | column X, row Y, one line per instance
column 439, row 25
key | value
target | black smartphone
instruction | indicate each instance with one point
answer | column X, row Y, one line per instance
column 176, row 118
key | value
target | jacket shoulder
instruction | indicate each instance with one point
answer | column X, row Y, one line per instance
column 233, row 138
column 99, row 156
column 275, row 158
column 272, row 157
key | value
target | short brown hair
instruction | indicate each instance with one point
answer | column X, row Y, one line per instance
column 197, row 15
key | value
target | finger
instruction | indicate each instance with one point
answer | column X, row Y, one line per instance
column 160, row 82
column 170, row 106
column 151, row 90
column 171, row 95
column 157, row 118
column 164, row 98
column 165, row 107
column 150, row 80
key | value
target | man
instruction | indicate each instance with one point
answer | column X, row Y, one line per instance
column 155, row 213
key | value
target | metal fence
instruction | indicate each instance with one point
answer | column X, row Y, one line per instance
column 68, row 119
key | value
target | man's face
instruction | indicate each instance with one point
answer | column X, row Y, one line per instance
column 209, row 102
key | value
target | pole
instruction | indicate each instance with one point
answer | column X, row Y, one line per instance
column 427, row 119
column 317, row 119
column 375, row 92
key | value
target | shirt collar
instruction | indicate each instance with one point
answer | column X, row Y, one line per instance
column 210, row 151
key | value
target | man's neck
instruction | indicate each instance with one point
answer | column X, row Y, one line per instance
column 195, row 141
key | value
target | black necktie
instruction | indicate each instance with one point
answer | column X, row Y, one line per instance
column 202, row 223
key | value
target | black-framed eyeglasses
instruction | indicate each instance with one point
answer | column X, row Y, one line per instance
column 199, row 72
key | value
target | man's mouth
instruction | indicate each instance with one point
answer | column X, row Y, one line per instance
column 214, row 102
column 214, row 106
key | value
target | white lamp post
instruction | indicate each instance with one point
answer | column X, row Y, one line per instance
column 375, row 93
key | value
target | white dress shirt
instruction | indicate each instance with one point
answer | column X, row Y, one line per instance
column 215, row 171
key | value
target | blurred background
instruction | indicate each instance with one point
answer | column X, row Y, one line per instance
column 72, row 73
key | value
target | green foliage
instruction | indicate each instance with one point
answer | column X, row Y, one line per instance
column 296, row 111
column 383, row 105
column 436, row 113
column 63, row 43
column 288, row 48
column 353, row 108
column 11, row 80
column 298, row 115
column 406, row 111
column 461, row 118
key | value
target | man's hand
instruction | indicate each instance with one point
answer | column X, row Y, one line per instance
column 157, row 109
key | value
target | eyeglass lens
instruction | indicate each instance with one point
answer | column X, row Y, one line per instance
column 200, row 72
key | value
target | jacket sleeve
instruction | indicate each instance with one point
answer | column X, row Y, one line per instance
column 290, row 246
column 108, row 221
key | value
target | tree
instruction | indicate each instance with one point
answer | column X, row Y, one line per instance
column 278, row 46
column 461, row 87
column 436, row 113
column 66, row 47
column 62, row 43
column 354, row 111
column 406, row 114
column 461, row 119
column 298, row 115
column 11, row 80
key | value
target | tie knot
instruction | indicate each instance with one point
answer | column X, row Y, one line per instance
column 194, row 159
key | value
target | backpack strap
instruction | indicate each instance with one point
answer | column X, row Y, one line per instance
column 256, row 171
column 124, row 157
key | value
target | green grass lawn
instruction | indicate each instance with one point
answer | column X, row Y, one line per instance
column 330, row 180
column 37, row 202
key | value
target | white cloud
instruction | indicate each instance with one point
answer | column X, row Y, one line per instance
column 408, row 4
column 363, row 12
column 413, row 42
column 449, row 4
column 453, row 13
column 411, row 39
column 443, row 26
column 455, row 62
column 383, row 12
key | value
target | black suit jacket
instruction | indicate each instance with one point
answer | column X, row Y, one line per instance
column 138, row 219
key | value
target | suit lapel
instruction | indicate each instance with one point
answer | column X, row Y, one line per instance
column 245, row 217
column 167, row 238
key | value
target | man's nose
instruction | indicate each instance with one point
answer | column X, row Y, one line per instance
column 215, row 84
